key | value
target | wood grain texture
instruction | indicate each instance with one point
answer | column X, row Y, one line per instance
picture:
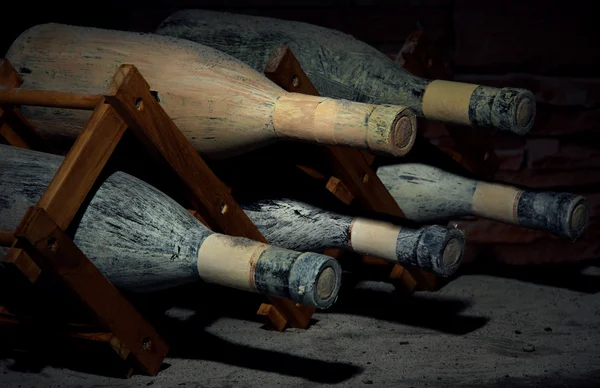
column 343, row 67
column 9, row 76
column 14, row 128
column 6, row 237
column 79, row 273
column 50, row 99
column 21, row 261
column 222, row 106
column 216, row 206
column 76, row 176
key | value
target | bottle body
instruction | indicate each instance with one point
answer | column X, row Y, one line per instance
column 300, row 226
column 142, row 240
column 427, row 193
column 221, row 105
column 343, row 67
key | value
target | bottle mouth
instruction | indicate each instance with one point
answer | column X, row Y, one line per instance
column 392, row 130
column 450, row 253
column 403, row 135
column 579, row 219
column 521, row 105
column 315, row 280
column 326, row 283
column 440, row 250
column 453, row 252
column 525, row 114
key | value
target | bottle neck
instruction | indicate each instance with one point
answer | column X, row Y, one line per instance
column 385, row 129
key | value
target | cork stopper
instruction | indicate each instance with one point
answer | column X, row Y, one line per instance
column 513, row 110
column 525, row 113
column 326, row 283
column 452, row 252
column 579, row 219
column 439, row 250
column 392, row 130
column 315, row 280
column 403, row 133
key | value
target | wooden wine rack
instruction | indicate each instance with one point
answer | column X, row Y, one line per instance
column 345, row 172
column 40, row 242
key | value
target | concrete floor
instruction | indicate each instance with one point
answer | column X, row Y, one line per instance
column 478, row 331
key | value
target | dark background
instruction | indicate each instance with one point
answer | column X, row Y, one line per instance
column 548, row 47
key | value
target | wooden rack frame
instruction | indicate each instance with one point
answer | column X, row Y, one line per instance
column 347, row 173
column 40, row 242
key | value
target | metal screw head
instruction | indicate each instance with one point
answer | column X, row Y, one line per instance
column 146, row 344
column 139, row 103
column 224, row 208
column 295, row 81
column 52, row 244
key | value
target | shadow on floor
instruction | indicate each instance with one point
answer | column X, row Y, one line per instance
column 568, row 276
column 190, row 343
column 432, row 312
column 205, row 303
column 187, row 338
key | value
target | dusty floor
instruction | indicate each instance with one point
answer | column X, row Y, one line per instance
column 478, row 331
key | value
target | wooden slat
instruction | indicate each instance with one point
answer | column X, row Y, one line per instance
column 20, row 260
column 8, row 75
column 362, row 181
column 51, row 99
column 80, row 168
column 14, row 128
column 284, row 69
column 171, row 147
column 41, row 235
column 6, row 237
column 339, row 189
column 11, row 136
column 211, row 197
column 41, row 239
column 272, row 317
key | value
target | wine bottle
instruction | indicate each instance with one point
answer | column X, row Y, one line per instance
column 343, row 67
column 142, row 240
column 223, row 106
column 427, row 193
column 300, row 226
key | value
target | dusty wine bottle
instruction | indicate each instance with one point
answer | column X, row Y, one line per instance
column 427, row 193
column 223, row 106
column 142, row 240
column 343, row 67
column 300, row 226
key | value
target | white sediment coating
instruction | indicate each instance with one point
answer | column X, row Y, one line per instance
column 448, row 101
column 223, row 260
column 495, row 201
column 374, row 238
